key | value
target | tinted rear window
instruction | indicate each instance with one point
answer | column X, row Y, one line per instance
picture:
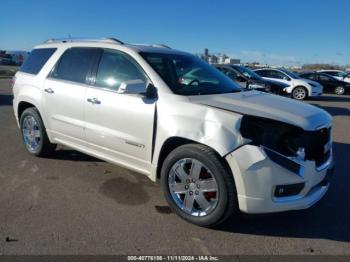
column 36, row 60
column 75, row 64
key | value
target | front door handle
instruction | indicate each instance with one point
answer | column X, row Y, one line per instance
column 49, row 90
column 94, row 101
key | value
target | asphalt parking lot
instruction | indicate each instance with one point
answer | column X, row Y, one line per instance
column 76, row 204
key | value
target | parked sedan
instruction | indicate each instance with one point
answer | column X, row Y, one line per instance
column 247, row 78
column 330, row 83
column 299, row 88
column 338, row 74
column 7, row 60
column 347, row 78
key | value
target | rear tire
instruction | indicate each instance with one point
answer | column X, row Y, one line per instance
column 340, row 90
column 299, row 93
column 34, row 133
column 198, row 185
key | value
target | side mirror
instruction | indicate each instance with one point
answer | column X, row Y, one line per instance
column 286, row 78
column 132, row 87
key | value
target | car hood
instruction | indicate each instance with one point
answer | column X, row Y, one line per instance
column 269, row 106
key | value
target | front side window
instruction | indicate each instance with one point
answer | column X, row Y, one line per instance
column 277, row 74
column 325, row 78
column 291, row 74
column 36, row 60
column 310, row 76
column 116, row 67
column 188, row 75
column 248, row 73
column 230, row 73
column 75, row 65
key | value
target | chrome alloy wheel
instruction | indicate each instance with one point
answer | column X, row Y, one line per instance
column 299, row 93
column 193, row 187
column 31, row 133
column 340, row 90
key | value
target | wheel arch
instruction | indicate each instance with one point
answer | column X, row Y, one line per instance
column 171, row 144
column 23, row 105
column 306, row 88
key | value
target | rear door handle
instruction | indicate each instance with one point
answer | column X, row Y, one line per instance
column 49, row 90
column 94, row 101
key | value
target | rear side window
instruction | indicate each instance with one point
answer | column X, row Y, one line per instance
column 75, row 64
column 36, row 60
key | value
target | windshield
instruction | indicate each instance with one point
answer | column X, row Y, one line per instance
column 290, row 74
column 188, row 75
column 248, row 73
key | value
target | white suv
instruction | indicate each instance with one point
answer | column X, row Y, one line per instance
column 215, row 148
column 298, row 87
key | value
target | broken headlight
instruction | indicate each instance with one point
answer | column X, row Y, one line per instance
column 272, row 134
column 286, row 139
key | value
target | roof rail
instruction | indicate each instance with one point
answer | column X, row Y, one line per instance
column 161, row 46
column 69, row 40
column 152, row 45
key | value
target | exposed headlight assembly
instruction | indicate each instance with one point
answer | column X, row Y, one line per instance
column 272, row 134
column 286, row 139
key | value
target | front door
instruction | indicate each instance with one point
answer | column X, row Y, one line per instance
column 328, row 83
column 119, row 125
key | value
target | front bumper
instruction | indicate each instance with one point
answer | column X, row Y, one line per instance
column 315, row 93
column 257, row 176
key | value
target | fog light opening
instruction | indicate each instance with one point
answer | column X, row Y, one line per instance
column 288, row 190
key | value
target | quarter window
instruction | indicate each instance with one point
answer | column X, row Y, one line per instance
column 36, row 60
column 116, row 67
column 75, row 65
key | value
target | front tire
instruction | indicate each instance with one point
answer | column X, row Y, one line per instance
column 299, row 93
column 198, row 186
column 34, row 133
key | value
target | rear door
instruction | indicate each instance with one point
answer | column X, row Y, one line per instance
column 120, row 126
column 64, row 93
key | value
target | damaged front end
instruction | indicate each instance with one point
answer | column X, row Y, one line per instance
column 287, row 144
column 281, row 166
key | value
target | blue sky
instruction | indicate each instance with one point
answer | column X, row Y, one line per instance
column 268, row 31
